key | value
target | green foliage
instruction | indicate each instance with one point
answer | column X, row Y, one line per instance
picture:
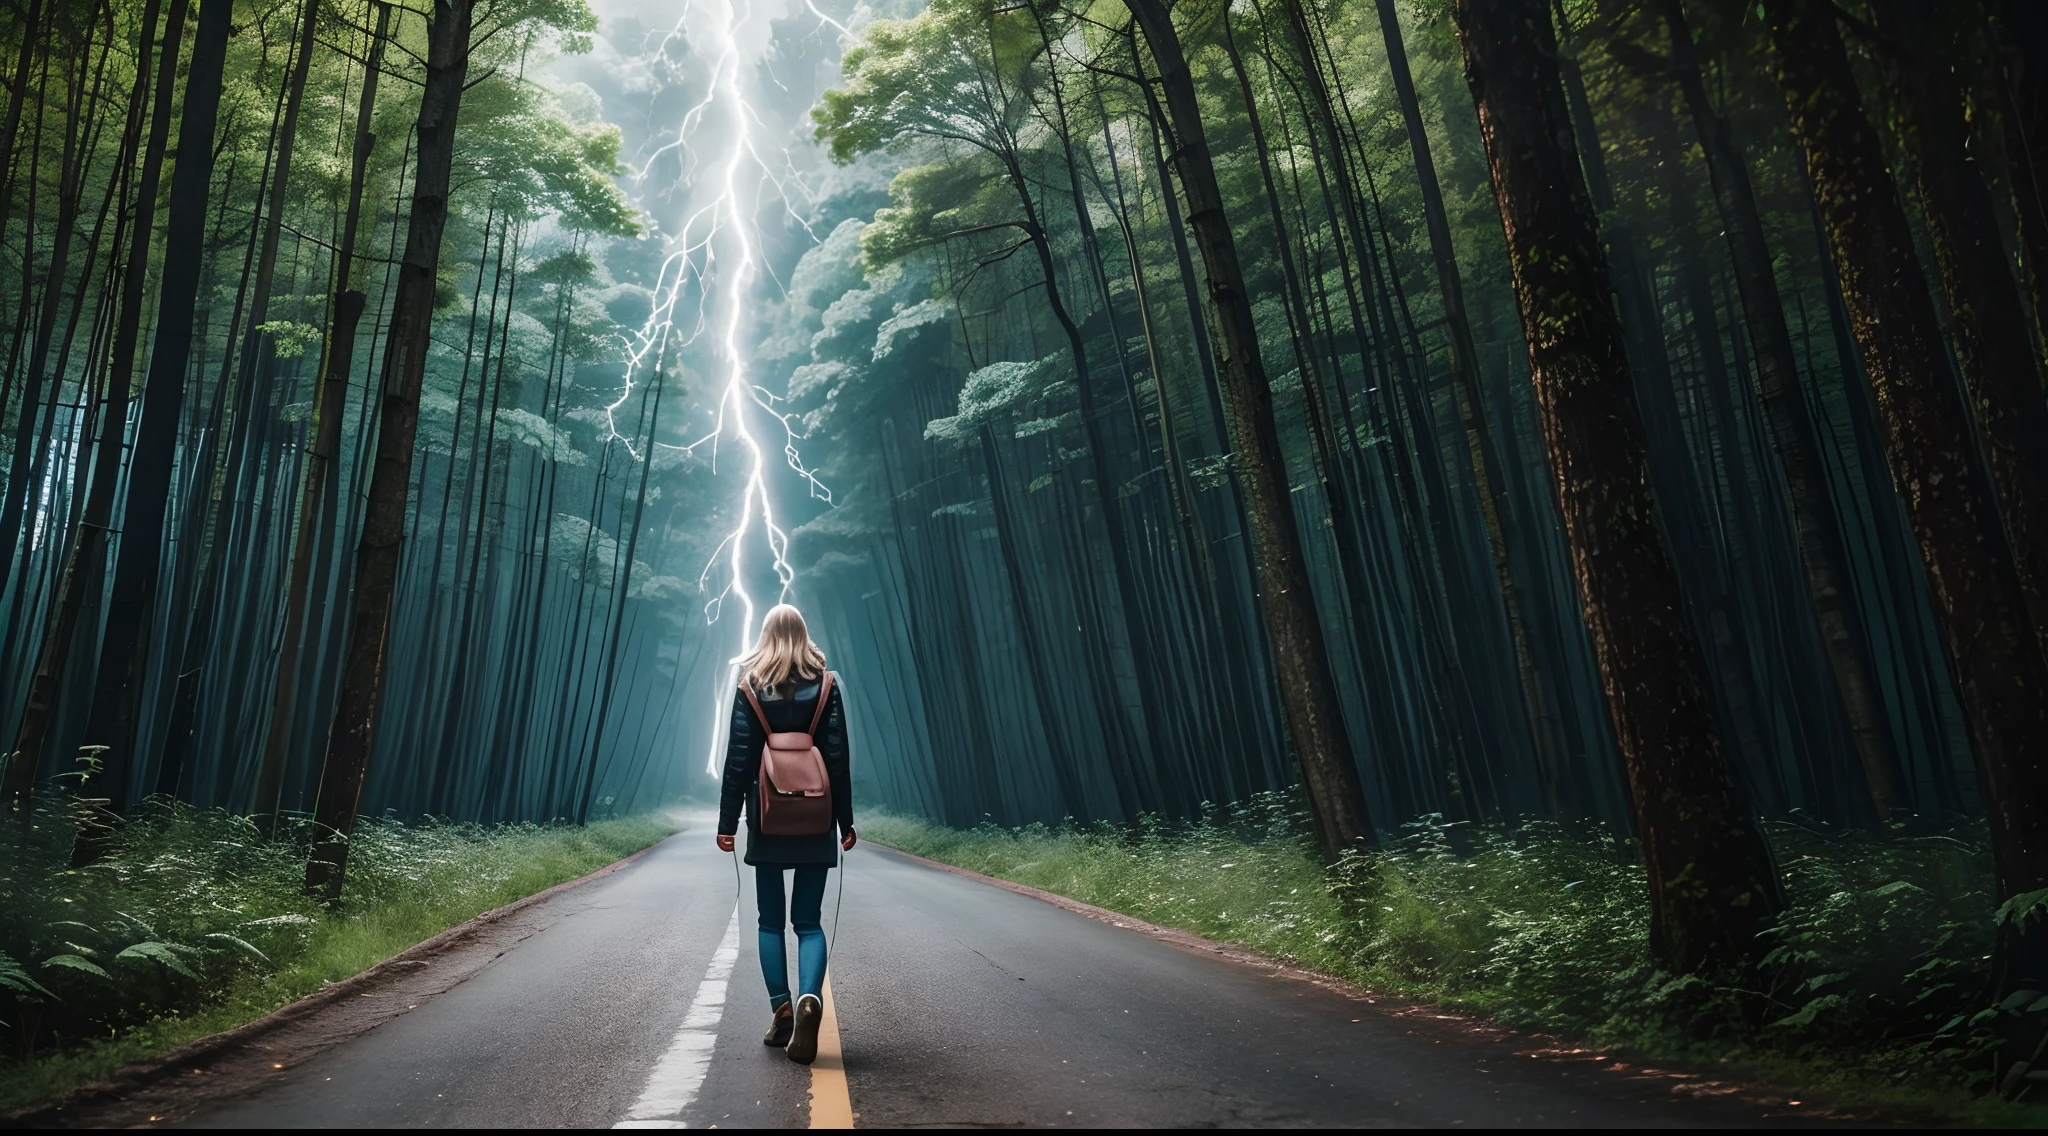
column 538, row 156
column 291, row 339
column 196, row 922
column 950, row 74
column 1872, row 985
column 1002, row 389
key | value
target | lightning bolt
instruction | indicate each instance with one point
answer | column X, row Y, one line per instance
column 716, row 257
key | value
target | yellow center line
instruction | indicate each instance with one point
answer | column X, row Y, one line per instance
column 830, row 1106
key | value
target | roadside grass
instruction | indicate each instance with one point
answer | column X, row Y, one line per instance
column 1872, row 981
column 195, row 923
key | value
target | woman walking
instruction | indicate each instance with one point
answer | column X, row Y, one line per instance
column 788, row 714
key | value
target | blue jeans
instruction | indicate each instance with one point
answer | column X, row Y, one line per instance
column 807, row 903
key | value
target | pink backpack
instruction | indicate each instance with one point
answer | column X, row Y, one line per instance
column 796, row 792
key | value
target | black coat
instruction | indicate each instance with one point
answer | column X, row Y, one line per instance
column 789, row 710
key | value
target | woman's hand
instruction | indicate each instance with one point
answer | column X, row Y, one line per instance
column 847, row 844
column 724, row 842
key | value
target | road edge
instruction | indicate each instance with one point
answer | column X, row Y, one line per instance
column 1186, row 940
column 145, row 1074
column 1441, row 1023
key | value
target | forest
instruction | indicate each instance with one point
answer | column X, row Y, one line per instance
column 1453, row 424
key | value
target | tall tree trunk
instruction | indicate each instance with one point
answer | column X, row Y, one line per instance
column 1241, row 624
column 1712, row 884
column 481, row 449
column 257, row 354
column 1410, row 461
column 1294, row 633
column 550, row 409
column 1188, row 731
column 1190, row 287
column 43, row 490
column 239, row 511
column 1482, row 458
column 125, row 640
column 1066, row 773
column 332, row 390
column 405, row 359
column 1351, row 548
column 210, row 517
column 2021, row 56
column 1992, row 649
column 1987, row 322
column 17, row 96
column 21, row 474
column 1675, row 475
column 89, row 541
column 1142, row 744
column 1795, row 436
column 630, row 548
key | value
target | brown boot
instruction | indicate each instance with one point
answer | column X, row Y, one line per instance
column 779, row 1029
column 803, row 1044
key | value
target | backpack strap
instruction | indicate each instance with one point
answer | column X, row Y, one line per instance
column 817, row 716
column 747, row 690
column 824, row 699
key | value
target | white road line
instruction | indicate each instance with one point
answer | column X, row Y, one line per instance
column 673, row 1084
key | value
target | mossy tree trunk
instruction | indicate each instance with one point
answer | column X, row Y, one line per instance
column 2019, row 29
column 1712, row 883
column 1987, row 321
column 1992, row 650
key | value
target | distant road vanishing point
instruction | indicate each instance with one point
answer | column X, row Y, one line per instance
column 634, row 1001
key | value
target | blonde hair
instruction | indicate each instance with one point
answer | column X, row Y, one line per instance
column 784, row 650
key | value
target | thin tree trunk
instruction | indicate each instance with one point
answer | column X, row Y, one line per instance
column 332, row 387
column 377, row 553
column 481, row 449
column 1351, row 544
column 21, row 477
column 89, row 543
column 17, row 95
column 211, row 519
column 1141, row 743
column 1483, row 460
column 625, row 589
column 1712, row 884
column 1308, row 686
column 125, row 641
column 242, row 521
column 551, row 407
column 258, row 346
column 1794, row 435
column 1065, row 771
column 1416, row 478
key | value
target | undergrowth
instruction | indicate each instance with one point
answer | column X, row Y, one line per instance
column 195, row 922
column 1872, row 982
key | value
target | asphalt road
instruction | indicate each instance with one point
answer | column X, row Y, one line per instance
column 957, row 1003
